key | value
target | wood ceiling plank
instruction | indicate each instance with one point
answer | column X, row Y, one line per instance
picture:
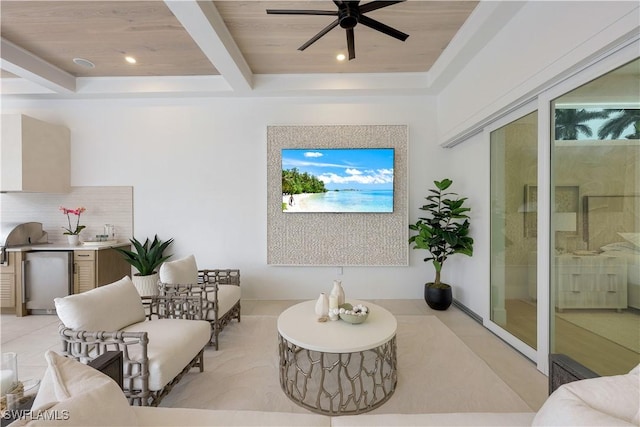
column 104, row 32
column 270, row 42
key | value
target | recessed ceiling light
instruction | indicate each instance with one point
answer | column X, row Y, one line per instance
column 341, row 57
column 84, row 63
column 130, row 59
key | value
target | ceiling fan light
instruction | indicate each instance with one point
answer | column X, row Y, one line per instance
column 341, row 57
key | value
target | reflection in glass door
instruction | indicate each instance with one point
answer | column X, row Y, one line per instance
column 514, row 163
column 595, row 267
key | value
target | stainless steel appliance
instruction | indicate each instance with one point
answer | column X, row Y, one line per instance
column 46, row 275
column 13, row 235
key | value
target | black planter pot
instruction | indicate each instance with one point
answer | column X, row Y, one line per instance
column 438, row 298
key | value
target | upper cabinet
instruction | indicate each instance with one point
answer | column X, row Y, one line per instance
column 35, row 156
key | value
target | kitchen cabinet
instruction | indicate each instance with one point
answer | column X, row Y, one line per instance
column 8, row 283
column 84, row 271
column 93, row 268
column 11, row 284
column 35, row 156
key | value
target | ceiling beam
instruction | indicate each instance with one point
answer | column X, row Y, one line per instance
column 24, row 64
column 341, row 84
column 206, row 27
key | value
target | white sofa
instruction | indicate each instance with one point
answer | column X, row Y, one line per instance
column 73, row 394
column 156, row 352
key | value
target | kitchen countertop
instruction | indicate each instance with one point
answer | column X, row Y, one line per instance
column 93, row 246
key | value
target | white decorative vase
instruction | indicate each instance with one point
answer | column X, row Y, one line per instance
column 73, row 239
column 338, row 291
column 333, row 307
column 146, row 285
column 322, row 305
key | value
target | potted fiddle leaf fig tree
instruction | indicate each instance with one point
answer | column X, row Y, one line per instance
column 146, row 258
column 443, row 232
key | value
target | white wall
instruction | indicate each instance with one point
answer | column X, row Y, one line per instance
column 540, row 43
column 468, row 168
column 198, row 170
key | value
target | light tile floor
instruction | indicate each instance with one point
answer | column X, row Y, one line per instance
column 31, row 336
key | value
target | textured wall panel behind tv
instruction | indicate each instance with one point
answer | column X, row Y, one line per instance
column 339, row 239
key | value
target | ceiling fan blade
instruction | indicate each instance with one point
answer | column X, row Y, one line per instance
column 341, row 3
column 324, row 31
column 351, row 44
column 375, row 5
column 379, row 26
column 301, row 12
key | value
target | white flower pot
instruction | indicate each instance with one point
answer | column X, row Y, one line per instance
column 73, row 239
column 146, row 285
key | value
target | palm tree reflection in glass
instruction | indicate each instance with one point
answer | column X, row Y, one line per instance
column 572, row 123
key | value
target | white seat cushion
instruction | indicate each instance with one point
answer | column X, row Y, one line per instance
column 603, row 401
column 173, row 343
column 228, row 296
column 107, row 308
column 79, row 395
column 183, row 271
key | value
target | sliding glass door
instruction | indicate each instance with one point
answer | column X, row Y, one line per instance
column 565, row 220
column 595, row 222
column 514, row 163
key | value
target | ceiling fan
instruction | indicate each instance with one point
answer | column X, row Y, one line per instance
column 349, row 14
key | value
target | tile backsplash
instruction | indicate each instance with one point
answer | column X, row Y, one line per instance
column 104, row 205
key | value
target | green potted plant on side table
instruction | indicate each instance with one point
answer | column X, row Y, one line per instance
column 443, row 233
column 146, row 258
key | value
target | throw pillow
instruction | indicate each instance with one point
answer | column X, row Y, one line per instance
column 74, row 394
column 107, row 308
column 183, row 271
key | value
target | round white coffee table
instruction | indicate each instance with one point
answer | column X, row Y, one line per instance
column 334, row 367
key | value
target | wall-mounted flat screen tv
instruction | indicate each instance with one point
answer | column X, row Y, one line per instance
column 337, row 180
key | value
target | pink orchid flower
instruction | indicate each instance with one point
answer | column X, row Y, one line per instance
column 77, row 212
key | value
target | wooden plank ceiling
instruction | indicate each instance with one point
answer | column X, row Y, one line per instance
column 104, row 32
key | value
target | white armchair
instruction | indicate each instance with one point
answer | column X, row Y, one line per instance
column 218, row 288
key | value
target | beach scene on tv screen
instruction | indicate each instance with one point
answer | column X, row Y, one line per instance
column 337, row 180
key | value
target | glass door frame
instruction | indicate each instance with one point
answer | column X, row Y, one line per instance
column 598, row 65
column 521, row 346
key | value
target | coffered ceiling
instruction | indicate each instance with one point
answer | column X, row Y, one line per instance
column 226, row 47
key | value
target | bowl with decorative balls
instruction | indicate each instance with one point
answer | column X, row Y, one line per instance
column 353, row 314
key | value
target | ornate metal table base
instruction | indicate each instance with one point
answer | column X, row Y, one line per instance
column 338, row 383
